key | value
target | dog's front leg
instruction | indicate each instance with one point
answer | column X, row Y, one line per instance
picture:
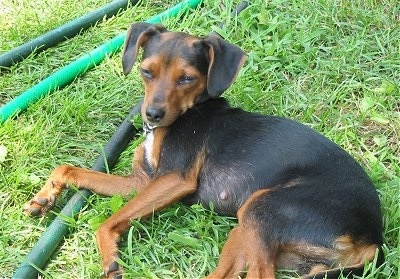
column 97, row 182
column 157, row 195
column 100, row 183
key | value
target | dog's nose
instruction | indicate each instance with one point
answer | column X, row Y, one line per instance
column 154, row 114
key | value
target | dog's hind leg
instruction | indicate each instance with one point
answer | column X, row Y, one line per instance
column 244, row 249
column 232, row 261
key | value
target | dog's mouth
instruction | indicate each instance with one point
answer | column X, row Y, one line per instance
column 165, row 121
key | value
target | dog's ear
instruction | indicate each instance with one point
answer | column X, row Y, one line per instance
column 137, row 35
column 225, row 61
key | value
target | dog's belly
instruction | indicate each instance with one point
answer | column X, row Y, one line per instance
column 225, row 189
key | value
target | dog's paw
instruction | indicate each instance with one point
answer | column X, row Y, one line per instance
column 112, row 271
column 44, row 200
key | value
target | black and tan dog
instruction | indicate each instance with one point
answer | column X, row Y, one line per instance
column 302, row 202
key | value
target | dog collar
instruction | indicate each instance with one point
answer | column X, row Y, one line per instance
column 147, row 128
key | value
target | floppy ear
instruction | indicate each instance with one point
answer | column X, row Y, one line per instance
column 225, row 62
column 137, row 35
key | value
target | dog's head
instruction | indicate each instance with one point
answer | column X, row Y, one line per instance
column 178, row 69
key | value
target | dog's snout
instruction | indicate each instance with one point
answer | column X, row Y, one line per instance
column 154, row 114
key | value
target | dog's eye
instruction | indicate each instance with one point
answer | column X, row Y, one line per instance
column 185, row 80
column 146, row 73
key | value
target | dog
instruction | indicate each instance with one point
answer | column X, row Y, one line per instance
column 302, row 202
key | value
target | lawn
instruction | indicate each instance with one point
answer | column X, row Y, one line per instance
column 333, row 65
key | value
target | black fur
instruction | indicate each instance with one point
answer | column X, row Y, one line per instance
column 319, row 191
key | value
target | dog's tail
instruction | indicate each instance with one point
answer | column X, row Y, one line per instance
column 347, row 272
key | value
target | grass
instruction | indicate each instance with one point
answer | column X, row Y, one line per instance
column 333, row 65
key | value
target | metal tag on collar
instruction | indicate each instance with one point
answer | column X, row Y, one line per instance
column 147, row 128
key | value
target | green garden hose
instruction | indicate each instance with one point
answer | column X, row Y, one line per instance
column 62, row 33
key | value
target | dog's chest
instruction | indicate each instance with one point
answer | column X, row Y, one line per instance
column 148, row 149
column 167, row 150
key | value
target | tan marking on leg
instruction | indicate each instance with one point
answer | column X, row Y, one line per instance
column 139, row 175
column 251, row 199
column 352, row 253
column 345, row 254
column 98, row 182
column 244, row 247
column 158, row 194
column 232, row 262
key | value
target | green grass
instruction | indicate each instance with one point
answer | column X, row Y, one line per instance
column 333, row 65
